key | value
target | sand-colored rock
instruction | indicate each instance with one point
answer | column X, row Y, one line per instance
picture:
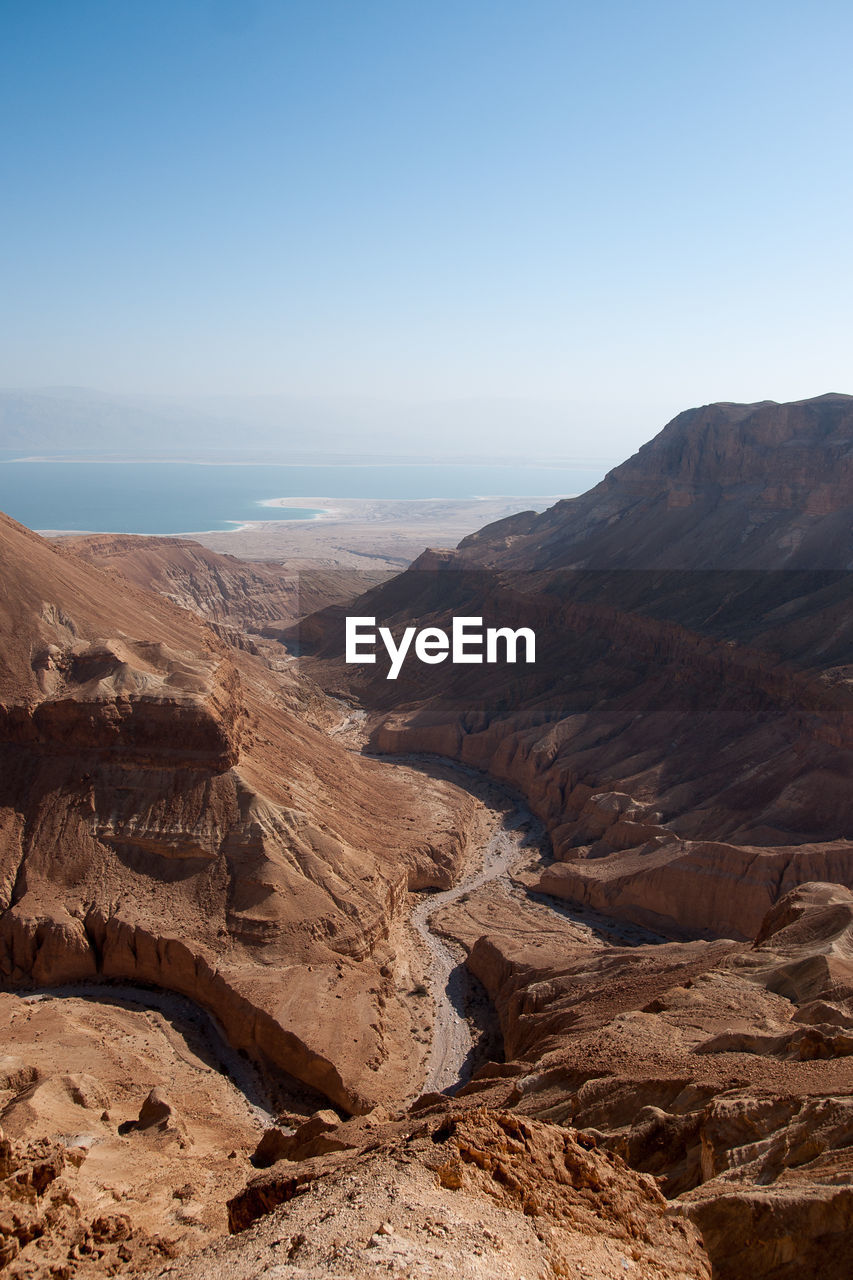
column 481, row 1193
column 688, row 1060
column 780, row 1232
column 167, row 821
column 238, row 598
column 82, row 1187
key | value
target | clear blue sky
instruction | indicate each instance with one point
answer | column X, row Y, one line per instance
column 634, row 206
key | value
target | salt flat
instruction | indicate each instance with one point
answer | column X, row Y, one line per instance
column 365, row 533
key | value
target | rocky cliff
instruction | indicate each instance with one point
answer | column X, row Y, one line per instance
column 746, row 486
column 721, row 1069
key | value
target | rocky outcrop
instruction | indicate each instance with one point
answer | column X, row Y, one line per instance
column 655, row 883
column 780, row 1232
column 720, row 1069
column 585, row 1207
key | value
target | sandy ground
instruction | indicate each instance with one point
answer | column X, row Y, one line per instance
column 76, row 1067
column 365, row 533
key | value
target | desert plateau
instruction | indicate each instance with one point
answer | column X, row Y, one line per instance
column 511, row 972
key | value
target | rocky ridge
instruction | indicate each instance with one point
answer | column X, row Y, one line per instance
column 239, row 598
column 484, row 1193
column 749, row 486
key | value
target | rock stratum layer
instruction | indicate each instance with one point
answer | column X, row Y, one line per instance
column 745, row 486
column 165, row 820
column 234, row 596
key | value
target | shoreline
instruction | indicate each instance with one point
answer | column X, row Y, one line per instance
column 349, row 533
column 339, row 511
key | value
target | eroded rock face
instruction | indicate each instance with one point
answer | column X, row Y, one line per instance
column 702, row 1064
column 164, row 820
column 237, row 597
column 668, row 765
column 747, row 486
column 781, row 1232
column 539, row 1195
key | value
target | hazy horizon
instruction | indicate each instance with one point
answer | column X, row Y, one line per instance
column 541, row 230
column 86, row 420
column 79, row 421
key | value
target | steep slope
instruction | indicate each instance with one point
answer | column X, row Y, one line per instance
column 236, row 596
column 164, row 820
column 725, row 486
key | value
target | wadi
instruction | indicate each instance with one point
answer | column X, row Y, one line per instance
column 499, row 968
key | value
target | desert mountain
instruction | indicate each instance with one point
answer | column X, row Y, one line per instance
column 725, row 486
column 661, row 965
column 686, row 736
column 682, row 732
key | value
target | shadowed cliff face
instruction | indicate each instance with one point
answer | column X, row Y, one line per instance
column 165, row 820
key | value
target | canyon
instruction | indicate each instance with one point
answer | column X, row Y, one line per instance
column 509, row 970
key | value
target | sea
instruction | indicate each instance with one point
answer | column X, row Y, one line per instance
column 174, row 497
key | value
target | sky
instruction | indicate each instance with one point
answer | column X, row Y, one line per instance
column 585, row 217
